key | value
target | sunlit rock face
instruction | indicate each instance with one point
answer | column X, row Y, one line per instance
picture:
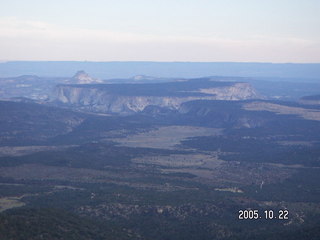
column 81, row 77
column 131, row 98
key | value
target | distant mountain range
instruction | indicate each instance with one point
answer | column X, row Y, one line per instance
column 107, row 70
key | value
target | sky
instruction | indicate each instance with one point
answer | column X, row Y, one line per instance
column 161, row 30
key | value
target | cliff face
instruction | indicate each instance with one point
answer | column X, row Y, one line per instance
column 99, row 98
column 238, row 91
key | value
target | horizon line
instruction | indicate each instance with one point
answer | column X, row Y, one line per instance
column 146, row 61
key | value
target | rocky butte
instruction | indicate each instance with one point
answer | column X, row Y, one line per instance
column 81, row 77
column 126, row 98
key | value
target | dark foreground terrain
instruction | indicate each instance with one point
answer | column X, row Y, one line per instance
column 181, row 171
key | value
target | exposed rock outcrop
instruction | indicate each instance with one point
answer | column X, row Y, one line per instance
column 103, row 98
column 81, row 77
column 238, row 91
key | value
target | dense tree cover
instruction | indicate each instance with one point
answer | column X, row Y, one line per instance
column 303, row 186
column 257, row 150
column 55, row 224
column 312, row 97
column 154, row 204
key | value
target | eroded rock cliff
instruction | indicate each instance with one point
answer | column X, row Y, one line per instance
column 130, row 98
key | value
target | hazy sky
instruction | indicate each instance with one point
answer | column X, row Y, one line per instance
column 161, row 30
